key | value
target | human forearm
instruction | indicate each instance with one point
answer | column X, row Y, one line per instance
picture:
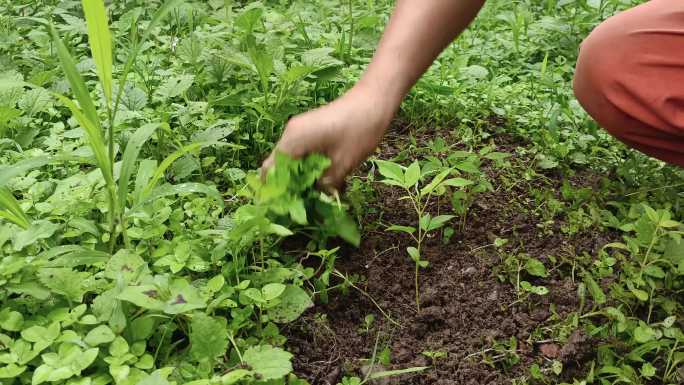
column 417, row 33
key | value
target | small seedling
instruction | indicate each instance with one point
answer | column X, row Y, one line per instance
column 409, row 179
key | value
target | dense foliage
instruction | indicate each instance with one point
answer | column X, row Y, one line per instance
column 139, row 246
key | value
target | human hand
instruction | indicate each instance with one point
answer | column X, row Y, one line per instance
column 347, row 131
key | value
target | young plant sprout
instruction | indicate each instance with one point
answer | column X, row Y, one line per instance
column 409, row 179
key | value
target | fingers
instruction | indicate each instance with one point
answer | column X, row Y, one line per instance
column 333, row 179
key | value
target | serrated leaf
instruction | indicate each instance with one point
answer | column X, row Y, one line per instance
column 208, row 337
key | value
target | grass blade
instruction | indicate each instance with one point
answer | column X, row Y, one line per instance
column 78, row 86
column 10, row 209
column 95, row 138
column 100, row 40
column 166, row 163
column 390, row 373
column 130, row 155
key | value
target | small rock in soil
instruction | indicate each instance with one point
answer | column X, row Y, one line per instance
column 576, row 348
column 469, row 271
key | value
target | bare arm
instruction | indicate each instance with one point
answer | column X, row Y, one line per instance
column 349, row 129
column 417, row 33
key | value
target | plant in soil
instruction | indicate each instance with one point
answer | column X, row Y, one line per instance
column 419, row 194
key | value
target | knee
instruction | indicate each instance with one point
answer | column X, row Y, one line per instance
column 603, row 57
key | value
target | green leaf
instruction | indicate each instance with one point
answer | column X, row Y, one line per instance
column 294, row 301
column 648, row 370
column 100, row 41
column 405, row 229
column 457, row 182
column 159, row 15
column 100, row 335
column 435, row 182
column 77, row 84
column 11, row 320
column 118, row 347
column 594, row 289
column 643, row 333
column 130, row 155
column 35, row 232
column 535, row 267
column 413, row 253
column 10, row 209
column 12, row 371
column 272, row 291
column 391, row 170
column 654, row 271
column 208, row 337
column 234, row 376
column 144, row 296
column 438, row 221
column 412, row 175
column 269, row 362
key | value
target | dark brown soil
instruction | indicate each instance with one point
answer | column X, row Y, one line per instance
column 466, row 308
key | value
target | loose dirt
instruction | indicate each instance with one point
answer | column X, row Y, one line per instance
column 466, row 309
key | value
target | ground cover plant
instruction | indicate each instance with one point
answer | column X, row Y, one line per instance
column 139, row 245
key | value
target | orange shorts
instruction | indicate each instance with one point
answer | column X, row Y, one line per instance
column 630, row 78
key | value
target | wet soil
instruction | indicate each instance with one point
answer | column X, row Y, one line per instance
column 469, row 306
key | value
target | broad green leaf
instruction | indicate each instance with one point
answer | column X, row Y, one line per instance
column 438, row 221
column 21, row 167
column 100, row 335
column 12, row 371
column 269, row 362
column 130, row 155
column 10, row 209
column 100, row 41
column 11, row 320
column 413, row 253
column 391, row 170
column 643, row 333
column 145, row 296
column 293, row 302
column 208, row 337
column 412, row 174
column 535, row 267
column 36, row 231
column 272, row 291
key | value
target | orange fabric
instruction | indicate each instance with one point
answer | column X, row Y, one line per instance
column 630, row 78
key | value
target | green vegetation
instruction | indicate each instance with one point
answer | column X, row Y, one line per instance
column 139, row 245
